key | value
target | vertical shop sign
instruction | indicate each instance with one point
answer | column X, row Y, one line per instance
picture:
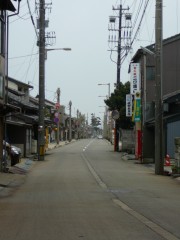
column 137, row 110
column 135, row 77
column 128, row 105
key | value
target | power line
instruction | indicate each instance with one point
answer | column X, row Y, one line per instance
column 24, row 56
column 146, row 4
column 138, row 29
column 32, row 18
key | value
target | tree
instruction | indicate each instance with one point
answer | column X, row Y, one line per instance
column 95, row 122
column 117, row 101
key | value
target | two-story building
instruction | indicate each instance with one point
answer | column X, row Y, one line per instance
column 5, row 5
column 171, row 95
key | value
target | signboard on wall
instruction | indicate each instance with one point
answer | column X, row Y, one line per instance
column 137, row 110
column 128, row 105
column 135, row 77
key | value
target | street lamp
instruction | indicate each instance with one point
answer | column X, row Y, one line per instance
column 42, row 57
column 54, row 49
column 103, row 96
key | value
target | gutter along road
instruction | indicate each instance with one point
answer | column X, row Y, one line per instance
column 85, row 190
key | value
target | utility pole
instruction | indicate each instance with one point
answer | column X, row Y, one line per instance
column 70, row 127
column 77, row 124
column 41, row 127
column 119, row 49
column 159, row 161
column 119, row 57
column 116, row 130
column 58, row 111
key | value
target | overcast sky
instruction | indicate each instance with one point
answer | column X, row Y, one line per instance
column 83, row 26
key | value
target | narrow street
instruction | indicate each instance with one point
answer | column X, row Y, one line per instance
column 84, row 190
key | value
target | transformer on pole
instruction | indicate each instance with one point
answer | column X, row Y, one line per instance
column 115, row 44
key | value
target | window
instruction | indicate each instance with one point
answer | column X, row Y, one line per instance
column 150, row 73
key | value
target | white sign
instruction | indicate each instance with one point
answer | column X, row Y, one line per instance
column 135, row 78
column 128, row 105
column 56, row 114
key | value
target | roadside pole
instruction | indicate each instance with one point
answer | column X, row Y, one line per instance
column 58, row 111
column 41, row 129
column 159, row 160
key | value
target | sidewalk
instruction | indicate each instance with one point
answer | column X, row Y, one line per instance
column 55, row 145
column 167, row 169
column 16, row 172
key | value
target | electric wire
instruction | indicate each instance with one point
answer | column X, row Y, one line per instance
column 137, row 14
column 150, row 39
column 138, row 28
column 137, row 31
column 32, row 19
column 29, row 62
column 26, row 72
column 35, row 72
column 23, row 56
column 20, row 18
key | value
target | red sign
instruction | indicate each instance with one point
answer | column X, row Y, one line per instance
column 57, row 105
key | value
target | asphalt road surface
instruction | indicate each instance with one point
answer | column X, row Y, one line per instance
column 84, row 190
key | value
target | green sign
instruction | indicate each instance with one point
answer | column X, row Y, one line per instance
column 137, row 110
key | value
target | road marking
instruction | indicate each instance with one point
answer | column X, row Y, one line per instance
column 153, row 226
column 84, row 149
column 93, row 172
